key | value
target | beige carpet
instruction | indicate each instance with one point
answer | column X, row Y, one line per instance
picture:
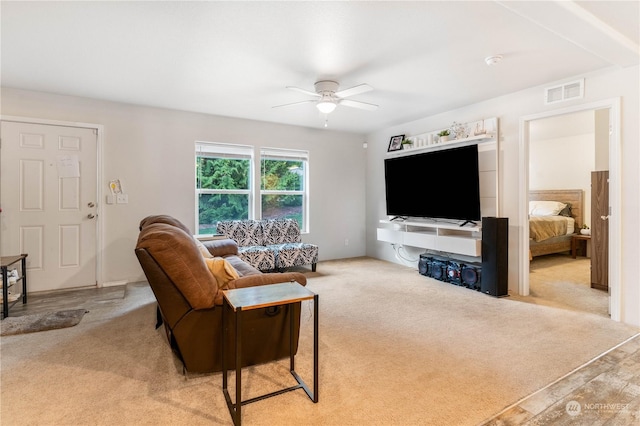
column 560, row 281
column 396, row 348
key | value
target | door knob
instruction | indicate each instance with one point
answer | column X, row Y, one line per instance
column 91, row 215
column 604, row 217
column 91, row 204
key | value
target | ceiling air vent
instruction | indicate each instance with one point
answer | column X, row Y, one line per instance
column 564, row 92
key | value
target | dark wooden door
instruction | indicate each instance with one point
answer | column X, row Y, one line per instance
column 600, row 230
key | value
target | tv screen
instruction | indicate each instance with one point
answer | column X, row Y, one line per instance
column 438, row 184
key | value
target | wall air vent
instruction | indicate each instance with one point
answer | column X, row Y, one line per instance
column 564, row 92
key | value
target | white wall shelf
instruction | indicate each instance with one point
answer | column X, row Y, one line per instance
column 455, row 143
column 477, row 132
column 432, row 235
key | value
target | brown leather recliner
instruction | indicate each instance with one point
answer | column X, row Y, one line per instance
column 190, row 302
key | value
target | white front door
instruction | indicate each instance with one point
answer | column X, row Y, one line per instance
column 48, row 201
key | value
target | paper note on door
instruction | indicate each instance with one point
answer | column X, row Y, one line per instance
column 68, row 166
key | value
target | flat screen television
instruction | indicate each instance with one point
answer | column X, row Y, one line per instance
column 440, row 184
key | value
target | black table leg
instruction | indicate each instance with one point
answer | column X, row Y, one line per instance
column 5, row 292
column 238, row 404
column 315, row 348
column 24, row 280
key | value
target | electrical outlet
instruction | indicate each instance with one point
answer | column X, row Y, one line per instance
column 122, row 198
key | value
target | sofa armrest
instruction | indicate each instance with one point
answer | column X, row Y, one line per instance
column 263, row 279
column 221, row 247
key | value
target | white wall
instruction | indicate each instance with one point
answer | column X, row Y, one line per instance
column 563, row 163
column 601, row 135
column 151, row 151
column 611, row 83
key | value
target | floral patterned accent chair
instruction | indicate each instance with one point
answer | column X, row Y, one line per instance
column 270, row 244
column 283, row 236
column 248, row 235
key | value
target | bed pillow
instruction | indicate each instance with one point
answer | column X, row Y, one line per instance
column 545, row 208
column 566, row 211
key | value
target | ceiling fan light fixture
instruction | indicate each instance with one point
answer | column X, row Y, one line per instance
column 326, row 107
column 328, row 97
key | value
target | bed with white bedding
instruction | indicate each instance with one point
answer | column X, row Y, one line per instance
column 554, row 216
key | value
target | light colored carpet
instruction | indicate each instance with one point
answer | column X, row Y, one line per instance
column 560, row 281
column 41, row 322
column 396, row 348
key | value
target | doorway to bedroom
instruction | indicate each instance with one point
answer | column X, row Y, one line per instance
column 565, row 153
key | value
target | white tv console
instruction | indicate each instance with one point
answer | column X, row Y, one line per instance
column 432, row 235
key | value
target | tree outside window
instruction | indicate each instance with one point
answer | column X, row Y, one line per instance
column 283, row 184
column 282, row 189
column 224, row 187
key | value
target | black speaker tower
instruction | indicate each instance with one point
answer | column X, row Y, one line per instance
column 495, row 256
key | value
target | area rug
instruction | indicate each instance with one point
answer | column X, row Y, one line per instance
column 41, row 322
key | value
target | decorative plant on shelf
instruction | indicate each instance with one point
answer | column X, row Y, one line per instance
column 406, row 142
column 444, row 135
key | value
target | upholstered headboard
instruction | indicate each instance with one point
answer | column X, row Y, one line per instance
column 573, row 196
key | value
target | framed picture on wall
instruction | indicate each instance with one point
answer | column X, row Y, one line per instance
column 395, row 144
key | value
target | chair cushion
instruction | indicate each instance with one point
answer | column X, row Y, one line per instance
column 260, row 257
column 243, row 232
column 295, row 254
column 221, row 247
column 280, row 231
column 243, row 268
column 177, row 254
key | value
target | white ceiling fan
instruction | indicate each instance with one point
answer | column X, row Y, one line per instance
column 329, row 97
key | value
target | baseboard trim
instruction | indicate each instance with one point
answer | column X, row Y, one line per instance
column 114, row 283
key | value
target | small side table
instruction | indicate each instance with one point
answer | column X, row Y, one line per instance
column 5, row 262
column 243, row 299
column 574, row 243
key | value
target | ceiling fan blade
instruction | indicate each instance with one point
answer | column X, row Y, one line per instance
column 295, row 103
column 358, row 104
column 355, row 90
column 306, row 92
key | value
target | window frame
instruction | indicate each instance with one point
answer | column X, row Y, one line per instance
column 286, row 154
column 255, row 191
column 229, row 151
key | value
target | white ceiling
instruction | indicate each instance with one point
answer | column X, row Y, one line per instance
column 235, row 58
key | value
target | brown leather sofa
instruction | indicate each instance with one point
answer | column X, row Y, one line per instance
column 190, row 302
